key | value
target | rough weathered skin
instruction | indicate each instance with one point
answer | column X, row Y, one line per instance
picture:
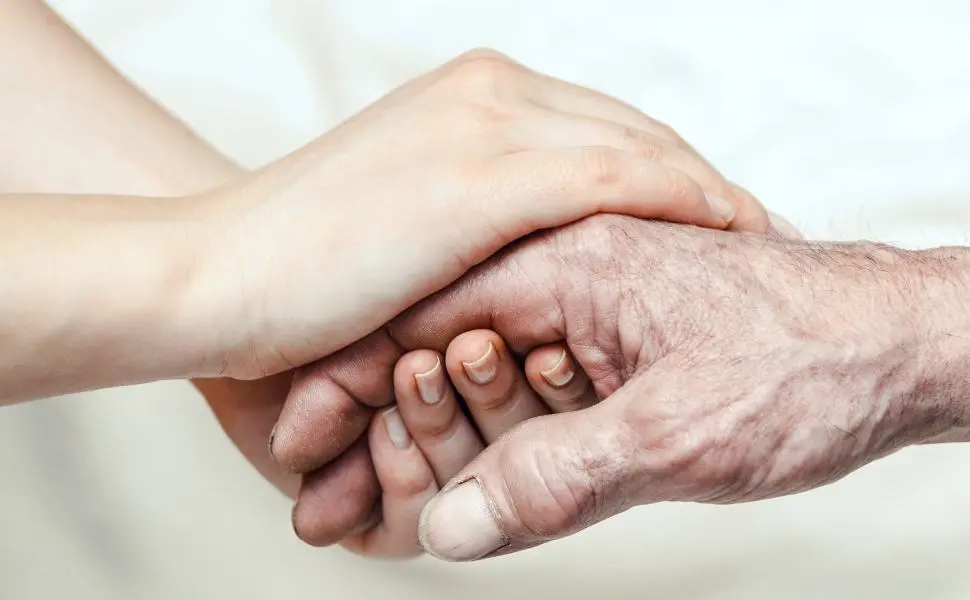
column 733, row 368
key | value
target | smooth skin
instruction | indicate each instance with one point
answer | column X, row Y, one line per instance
column 83, row 128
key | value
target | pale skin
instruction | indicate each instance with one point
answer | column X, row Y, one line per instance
column 134, row 252
column 724, row 368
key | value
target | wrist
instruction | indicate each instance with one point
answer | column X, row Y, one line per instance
column 900, row 317
column 939, row 283
column 915, row 307
column 98, row 292
column 154, row 308
column 205, row 309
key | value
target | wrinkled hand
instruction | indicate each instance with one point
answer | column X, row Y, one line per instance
column 733, row 368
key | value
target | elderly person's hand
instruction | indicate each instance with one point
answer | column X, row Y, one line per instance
column 732, row 368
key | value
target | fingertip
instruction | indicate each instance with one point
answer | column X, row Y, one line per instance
column 491, row 382
column 420, row 374
column 337, row 499
column 751, row 214
column 402, row 469
column 475, row 356
column 558, row 380
column 784, row 227
column 721, row 208
column 679, row 198
column 306, row 435
column 551, row 366
column 471, row 346
column 416, row 362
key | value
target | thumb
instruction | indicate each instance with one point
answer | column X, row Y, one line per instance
column 550, row 477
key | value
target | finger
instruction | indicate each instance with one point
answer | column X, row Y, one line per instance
column 574, row 99
column 408, row 483
column 338, row 499
column 751, row 214
column 784, row 227
column 487, row 377
column 331, row 402
column 557, row 379
column 561, row 186
column 550, row 477
column 551, row 130
column 569, row 98
column 432, row 415
column 247, row 412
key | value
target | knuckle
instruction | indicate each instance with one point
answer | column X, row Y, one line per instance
column 596, row 240
column 560, row 506
column 567, row 486
column 412, row 481
column 677, row 184
column 644, row 144
column 437, row 428
column 483, row 73
column 482, row 54
column 666, row 131
column 494, row 399
column 602, row 167
column 651, row 150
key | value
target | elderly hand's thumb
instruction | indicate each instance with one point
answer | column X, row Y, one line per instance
column 550, row 477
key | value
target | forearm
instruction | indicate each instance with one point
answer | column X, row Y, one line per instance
column 76, row 125
column 70, row 123
column 100, row 291
column 912, row 306
column 941, row 285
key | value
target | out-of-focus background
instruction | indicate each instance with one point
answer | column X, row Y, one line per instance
column 851, row 118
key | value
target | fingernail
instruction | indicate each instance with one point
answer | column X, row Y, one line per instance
column 561, row 373
column 396, row 429
column 431, row 384
column 483, row 370
column 458, row 525
column 720, row 207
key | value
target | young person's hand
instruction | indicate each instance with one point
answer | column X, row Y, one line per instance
column 325, row 245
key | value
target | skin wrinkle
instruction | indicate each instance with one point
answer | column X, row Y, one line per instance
column 752, row 378
column 581, row 298
column 615, row 280
column 752, row 415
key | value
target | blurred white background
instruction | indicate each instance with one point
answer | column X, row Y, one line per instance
column 851, row 118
